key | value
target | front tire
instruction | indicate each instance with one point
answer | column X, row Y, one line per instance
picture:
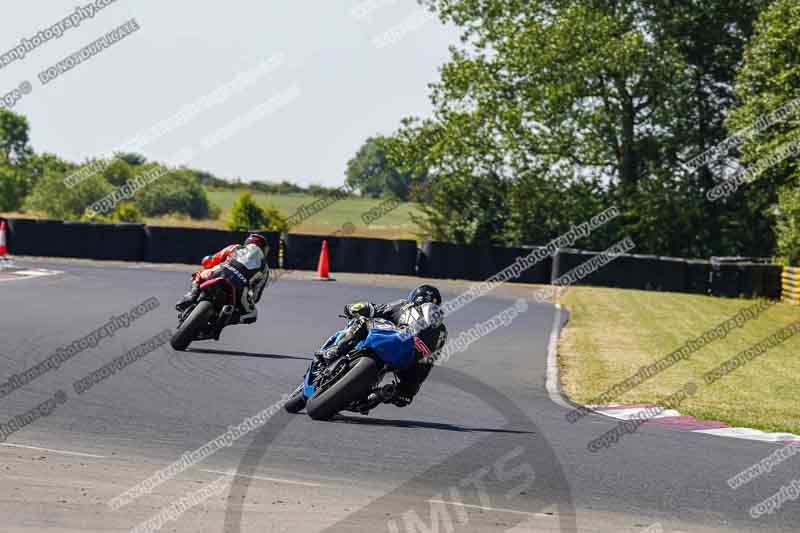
column 295, row 404
column 352, row 387
column 188, row 329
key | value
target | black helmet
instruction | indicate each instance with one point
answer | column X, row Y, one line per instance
column 258, row 240
column 425, row 294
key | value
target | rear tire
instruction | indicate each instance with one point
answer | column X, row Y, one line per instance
column 352, row 387
column 188, row 329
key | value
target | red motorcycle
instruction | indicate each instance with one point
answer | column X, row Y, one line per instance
column 206, row 318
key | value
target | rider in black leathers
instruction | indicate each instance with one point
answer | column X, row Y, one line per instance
column 430, row 335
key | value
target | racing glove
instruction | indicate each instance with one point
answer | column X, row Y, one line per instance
column 364, row 309
column 401, row 400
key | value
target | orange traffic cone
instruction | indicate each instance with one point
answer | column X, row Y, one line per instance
column 5, row 261
column 322, row 266
column 3, row 249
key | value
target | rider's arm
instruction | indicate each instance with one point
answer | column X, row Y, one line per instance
column 390, row 311
column 210, row 261
column 369, row 310
column 365, row 309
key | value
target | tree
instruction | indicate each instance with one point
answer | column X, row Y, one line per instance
column 247, row 215
column 768, row 80
column 564, row 99
column 14, row 139
column 118, row 172
column 131, row 158
column 373, row 174
column 15, row 182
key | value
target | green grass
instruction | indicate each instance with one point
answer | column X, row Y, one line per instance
column 395, row 224
column 612, row 333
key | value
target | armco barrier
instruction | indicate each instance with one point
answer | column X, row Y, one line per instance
column 351, row 254
column 453, row 261
column 476, row 263
column 625, row 272
column 698, row 276
column 731, row 277
column 36, row 237
column 725, row 279
column 125, row 242
column 53, row 238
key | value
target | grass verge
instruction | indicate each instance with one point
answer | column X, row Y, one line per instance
column 396, row 224
column 613, row 332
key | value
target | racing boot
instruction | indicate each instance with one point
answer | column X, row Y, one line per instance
column 188, row 299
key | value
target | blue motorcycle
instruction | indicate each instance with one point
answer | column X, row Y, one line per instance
column 352, row 382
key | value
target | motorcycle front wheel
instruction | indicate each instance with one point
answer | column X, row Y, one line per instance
column 352, row 387
column 194, row 322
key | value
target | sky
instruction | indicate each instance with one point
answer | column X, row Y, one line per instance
column 251, row 90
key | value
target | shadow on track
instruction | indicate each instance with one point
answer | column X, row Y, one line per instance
column 246, row 354
column 420, row 424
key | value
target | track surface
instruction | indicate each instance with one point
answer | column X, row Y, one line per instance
column 311, row 476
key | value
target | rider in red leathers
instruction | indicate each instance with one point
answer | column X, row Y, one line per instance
column 245, row 266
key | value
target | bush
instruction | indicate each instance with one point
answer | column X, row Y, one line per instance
column 127, row 212
column 174, row 193
column 52, row 196
column 246, row 214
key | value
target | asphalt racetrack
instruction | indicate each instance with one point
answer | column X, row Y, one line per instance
column 482, row 448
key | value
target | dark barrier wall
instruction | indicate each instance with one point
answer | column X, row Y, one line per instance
column 476, row 263
column 135, row 242
column 36, row 237
column 698, row 276
column 351, row 254
column 747, row 279
column 123, row 242
column 53, row 238
column 675, row 275
column 627, row 271
column 190, row 245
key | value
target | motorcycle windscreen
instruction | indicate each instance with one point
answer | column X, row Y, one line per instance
column 394, row 348
column 333, row 338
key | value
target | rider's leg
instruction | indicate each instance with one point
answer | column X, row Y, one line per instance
column 410, row 381
column 199, row 277
column 356, row 333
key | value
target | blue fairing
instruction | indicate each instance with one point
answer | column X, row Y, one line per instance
column 394, row 348
column 308, row 388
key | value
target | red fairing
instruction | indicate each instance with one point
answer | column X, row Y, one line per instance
column 219, row 257
column 220, row 279
column 420, row 345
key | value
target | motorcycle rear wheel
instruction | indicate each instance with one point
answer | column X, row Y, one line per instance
column 188, row 329
column 352, row 387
